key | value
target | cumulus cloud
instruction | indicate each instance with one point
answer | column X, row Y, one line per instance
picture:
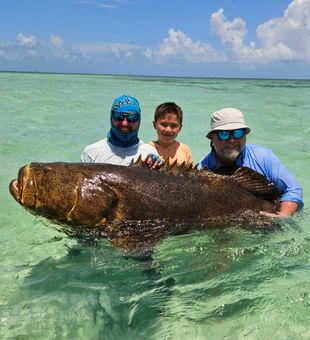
column 24, row 46
column 56, row 41
column 281, row 39
column 27, row 46
column 286, row 38
column 27, row 41
column 180, row 46
column 230, row 32
column 56, row 49
column 148, row 53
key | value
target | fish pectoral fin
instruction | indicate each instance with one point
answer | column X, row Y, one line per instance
column 93, row 205
column 134, row 235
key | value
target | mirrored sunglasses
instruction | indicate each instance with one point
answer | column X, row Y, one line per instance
column 131, row 117
column 224, row 135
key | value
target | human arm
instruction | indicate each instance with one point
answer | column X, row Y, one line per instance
column 291, row 192
column 264, row 161
column 288, row 208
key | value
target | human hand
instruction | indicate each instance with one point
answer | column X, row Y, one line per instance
column 277, row 215
column 270, row 215
column 287, row 209
column 153, row 161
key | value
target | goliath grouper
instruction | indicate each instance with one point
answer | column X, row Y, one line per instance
column 136, row 205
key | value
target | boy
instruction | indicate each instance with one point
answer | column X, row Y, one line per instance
column 167, row 122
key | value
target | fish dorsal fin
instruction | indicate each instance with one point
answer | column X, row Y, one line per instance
column 173, row 168
column 138, row 163
column 256, row 183
column 169, row 166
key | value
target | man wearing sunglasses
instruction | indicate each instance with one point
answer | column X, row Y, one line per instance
column 122, row 144
column 229, row 150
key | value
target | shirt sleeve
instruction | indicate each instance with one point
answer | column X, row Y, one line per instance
column 208, row 162
column 200, row 164
column 283, row 179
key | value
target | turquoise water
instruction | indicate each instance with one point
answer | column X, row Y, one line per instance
column 231, row 284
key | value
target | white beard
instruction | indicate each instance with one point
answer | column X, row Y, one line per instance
column 231, row 155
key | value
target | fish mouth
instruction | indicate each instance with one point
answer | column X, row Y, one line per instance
column 14, row 189
column 23, row 188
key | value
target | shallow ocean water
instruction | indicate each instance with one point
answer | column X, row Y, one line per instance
column 219, row 284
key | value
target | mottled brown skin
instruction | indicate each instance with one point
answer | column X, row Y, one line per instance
column 121, row 199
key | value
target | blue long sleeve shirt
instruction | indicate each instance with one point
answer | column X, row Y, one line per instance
column 265, row 162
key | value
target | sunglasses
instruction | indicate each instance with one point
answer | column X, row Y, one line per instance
column 224, row 135
column 131, row 117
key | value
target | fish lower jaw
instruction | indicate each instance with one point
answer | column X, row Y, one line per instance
column 14, row 190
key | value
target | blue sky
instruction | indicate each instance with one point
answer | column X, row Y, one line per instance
column 206, row 38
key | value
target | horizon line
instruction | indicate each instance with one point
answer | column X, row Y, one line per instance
column 150, row 76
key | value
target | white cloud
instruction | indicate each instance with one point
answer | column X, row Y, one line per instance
column 97, row 4
column 148, row 53
column 281, row 39
column 56, row 41
column 232, row 32
column 56, row 49
column 106, row 6
column 28, row 47
column 286, row 38
column 179, row 46
column 28, row 41
column 120, row 51
column 123, row 2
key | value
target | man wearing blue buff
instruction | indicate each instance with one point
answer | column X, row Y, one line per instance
column 122, row 144
column 229, row 149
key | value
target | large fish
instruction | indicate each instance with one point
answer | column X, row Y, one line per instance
column 136, row 205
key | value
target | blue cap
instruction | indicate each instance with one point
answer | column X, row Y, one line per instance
column 126, row 104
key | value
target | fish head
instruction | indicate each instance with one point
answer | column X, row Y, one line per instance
column 74, row 194
column 23, row 189
column 44, row 190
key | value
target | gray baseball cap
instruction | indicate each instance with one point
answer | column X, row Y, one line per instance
column 227, row 119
